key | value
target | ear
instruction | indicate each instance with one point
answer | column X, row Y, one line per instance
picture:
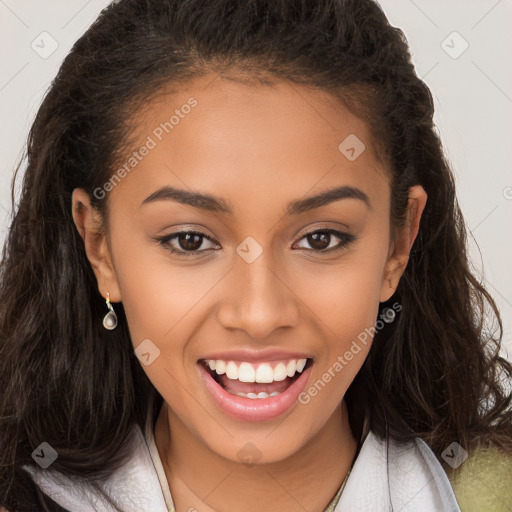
column 401, row 245
column 88, row 223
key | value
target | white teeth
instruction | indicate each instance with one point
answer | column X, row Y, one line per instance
column 232, row 370
column 246, row 373
column 300, row 365
column 260, row 395
column 262, row 373
column 220, row 367
column 280, row 372
column 291, row 368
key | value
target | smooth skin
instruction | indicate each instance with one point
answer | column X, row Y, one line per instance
column 258, row 147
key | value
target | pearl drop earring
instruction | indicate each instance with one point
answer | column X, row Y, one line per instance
column 110, row 319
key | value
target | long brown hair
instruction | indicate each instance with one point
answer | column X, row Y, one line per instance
column 435, row 372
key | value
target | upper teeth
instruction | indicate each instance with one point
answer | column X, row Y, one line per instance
column 263, row 373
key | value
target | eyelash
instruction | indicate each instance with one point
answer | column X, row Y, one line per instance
column 345, row 240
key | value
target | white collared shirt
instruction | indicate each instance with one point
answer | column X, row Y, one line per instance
column 385, row 477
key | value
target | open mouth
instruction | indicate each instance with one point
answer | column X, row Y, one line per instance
column 255, row 392
column 256, row 381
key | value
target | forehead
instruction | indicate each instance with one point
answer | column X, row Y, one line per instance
column 249, row 142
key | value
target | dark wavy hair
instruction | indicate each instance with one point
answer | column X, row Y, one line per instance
column 434, row 373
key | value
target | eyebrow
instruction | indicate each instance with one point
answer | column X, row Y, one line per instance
column 215, row 204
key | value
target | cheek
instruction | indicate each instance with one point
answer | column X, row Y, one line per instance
column 156, row 294
column 160, row 301
column 343, row 301
column 345, row 296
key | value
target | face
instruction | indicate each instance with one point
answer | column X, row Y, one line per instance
column 286, row 258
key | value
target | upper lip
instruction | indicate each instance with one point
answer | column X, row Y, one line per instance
column 256, row 356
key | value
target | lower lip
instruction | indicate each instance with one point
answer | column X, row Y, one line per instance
column 257, row 409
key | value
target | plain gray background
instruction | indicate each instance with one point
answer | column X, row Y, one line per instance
column 461, row 48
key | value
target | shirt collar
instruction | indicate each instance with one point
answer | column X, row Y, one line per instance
column 386, row 476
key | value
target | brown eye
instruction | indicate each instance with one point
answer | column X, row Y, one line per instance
column 321, row 240
column 186, row 243
column 189, row 241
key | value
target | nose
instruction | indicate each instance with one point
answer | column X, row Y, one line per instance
column 258, row 299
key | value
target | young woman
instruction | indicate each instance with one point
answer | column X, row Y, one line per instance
column 236, row 277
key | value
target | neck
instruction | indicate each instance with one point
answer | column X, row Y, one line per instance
column 200, row 479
